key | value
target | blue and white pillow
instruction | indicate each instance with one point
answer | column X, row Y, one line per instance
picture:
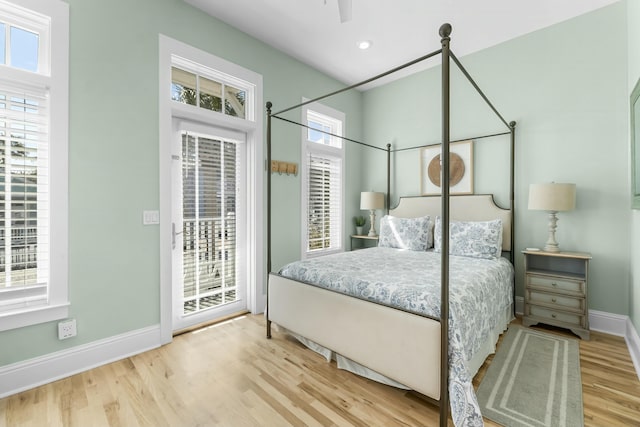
column 477, row 239
column 406, row 233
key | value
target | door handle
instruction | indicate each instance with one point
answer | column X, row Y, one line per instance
column 173, row 235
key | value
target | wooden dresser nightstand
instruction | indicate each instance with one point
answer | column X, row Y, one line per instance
column 555, row 290
column 363, row 239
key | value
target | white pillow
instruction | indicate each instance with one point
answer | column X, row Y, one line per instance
column 415, row 234
column 477, row 239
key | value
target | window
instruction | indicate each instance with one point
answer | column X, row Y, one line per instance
column 322, row 127
column 23, row 189
column 24, row 37
column 194, row 84
column 33, row 162
column 322, row 177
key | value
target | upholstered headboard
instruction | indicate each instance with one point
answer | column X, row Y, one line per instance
column 476, row 207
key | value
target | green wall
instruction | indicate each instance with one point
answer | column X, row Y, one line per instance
column 114, row 260
column 566, row 88
column 633, row 28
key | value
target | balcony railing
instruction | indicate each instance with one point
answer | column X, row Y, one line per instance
column 209, row 263
column 23, row 257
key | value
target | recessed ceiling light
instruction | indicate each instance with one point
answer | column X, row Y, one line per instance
column 364, row 44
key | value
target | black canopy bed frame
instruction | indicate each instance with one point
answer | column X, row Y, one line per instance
column 447, row 56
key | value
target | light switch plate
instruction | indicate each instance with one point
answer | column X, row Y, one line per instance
column 150, row 217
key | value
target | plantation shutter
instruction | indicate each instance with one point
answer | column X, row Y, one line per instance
column 24, row 202
column 324, row 202
column 210, row 172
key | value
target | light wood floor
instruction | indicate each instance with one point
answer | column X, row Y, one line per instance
column 230, row 375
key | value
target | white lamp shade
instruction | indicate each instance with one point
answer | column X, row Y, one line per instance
column 553, row 197
column 371, row 200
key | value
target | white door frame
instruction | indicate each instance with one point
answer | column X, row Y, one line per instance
column 256, row 273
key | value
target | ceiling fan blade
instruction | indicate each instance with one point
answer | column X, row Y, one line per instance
column 344, row 7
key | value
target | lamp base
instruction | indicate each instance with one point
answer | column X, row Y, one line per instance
column 549, row 248
column 552, row 245
column 372, row 219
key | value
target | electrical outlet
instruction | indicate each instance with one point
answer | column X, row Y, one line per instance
column 67, row 329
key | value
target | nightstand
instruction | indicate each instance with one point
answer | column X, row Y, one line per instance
column 555, row 290
column 363, row 240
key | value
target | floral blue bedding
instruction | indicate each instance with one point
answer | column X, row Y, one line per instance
column 480, row 290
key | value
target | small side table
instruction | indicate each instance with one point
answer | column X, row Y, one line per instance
column 364, row 239
column 555, row 290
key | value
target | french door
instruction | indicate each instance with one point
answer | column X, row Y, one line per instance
column 208, row 224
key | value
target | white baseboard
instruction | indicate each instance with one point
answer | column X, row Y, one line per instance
column 31, row 373
column 633, row 342
column 608, row 323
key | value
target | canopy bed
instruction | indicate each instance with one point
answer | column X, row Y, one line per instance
column 430, row 323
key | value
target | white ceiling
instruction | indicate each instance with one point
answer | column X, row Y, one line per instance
column 401, row 30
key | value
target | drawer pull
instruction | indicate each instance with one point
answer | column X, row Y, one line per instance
column 554, row 284
column 553, row 315
column 553, row 300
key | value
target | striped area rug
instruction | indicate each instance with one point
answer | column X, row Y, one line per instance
column 533, row 381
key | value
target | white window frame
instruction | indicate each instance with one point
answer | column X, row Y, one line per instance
column 220, row 77
column 252, row 126
column 52, row 75
column 335, row 150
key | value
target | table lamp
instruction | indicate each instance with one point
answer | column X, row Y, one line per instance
column 371, row 200
column 553, row 198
